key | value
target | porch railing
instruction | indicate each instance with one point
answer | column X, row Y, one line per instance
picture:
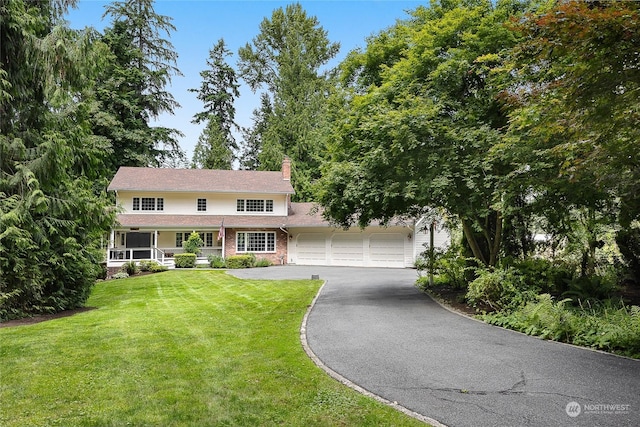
column 158, row 254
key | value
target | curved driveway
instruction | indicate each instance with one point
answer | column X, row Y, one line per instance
column 373, row 327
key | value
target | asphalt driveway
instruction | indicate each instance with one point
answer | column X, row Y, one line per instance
column 373, row 327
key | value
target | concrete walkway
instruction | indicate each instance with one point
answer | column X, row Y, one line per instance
column 373, row 327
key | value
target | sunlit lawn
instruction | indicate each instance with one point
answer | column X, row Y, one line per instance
column 182, row 348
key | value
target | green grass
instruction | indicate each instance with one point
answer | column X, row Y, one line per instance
column 182, row 348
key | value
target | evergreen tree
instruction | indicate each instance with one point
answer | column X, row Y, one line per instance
column 218, row 91
column 52, row 212
column 286, row 58
column 132, row 88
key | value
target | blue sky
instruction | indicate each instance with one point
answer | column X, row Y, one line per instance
column 200, row 23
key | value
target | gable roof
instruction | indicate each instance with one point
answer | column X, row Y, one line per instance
column 200, row 180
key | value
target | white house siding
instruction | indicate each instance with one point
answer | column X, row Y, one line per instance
column 373, row 247
column 217, row 203
column 441, row 238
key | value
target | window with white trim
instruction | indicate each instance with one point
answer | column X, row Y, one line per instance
column 206, row 236
column 254, row 205
column 148, row 204
column 256, row 241
column 202, row 205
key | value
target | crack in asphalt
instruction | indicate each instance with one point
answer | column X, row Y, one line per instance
column 517, row 388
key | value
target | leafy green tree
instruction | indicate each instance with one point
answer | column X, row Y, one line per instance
column 132, row 89
column 576, row 111
column 286, row 58
column 216, row 147
column 421, row 125
column 52, row 213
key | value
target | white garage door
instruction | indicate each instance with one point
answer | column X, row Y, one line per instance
column 310, row 249
column 386, row 250
column 347, row 249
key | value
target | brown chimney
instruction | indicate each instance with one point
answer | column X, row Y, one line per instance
column 286, row 169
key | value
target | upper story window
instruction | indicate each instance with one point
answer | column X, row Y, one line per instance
column 202, row 205
column 254, row 205
column 148, row 203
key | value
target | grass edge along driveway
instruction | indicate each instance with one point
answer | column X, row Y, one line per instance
column 181, row 348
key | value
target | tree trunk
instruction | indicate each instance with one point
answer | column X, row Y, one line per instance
column 473, row 243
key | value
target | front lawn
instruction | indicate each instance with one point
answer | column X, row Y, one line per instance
column 182, row 348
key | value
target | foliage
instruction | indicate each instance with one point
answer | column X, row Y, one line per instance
column 147, row 264
column 543, row 274
column 131, row 90
column 285, row 58
column 501, row 289
column 420, row 124
column 449, row 268
column 589, row 288
column 607, row 325
column 152, row 266
column 628, row 241
column 573, row 120
column 241, row 261
column 193, row 244
column 213, row 150
column 262, row 262
column 53, row 207
column 120, row 275
column 216, row 146
column 131, row 268
column 186, row 260
column 158, row 268
column 582, row 59
column 217, row 261
column 218, row 350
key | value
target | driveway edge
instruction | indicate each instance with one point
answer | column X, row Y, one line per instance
column 446, row 306
column 336, row 376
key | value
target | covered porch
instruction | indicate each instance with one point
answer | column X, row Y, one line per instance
column 161, row 245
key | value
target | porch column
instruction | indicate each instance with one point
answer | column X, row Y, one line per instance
column 155, row 245
column 112, row 239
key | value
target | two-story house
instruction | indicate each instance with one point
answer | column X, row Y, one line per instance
column 238, row 212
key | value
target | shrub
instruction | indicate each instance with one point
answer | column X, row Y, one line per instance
column 158, row 268
column 193, row 244
column 590, row 288
column 546, row 275
column 606, row 325
column 120, row 275
column 148, row 265
column 241, row 261
column 449, row 268
column 187, row 260
column 501, row 289
column 263, row 262
column 216, row 261
column 130, row 267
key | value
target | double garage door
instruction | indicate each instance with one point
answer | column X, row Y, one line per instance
column 357, row 249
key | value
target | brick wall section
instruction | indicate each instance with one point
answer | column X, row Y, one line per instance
column 112, row 270
column 275, row 258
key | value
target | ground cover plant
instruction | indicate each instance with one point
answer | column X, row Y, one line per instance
column 183, row 348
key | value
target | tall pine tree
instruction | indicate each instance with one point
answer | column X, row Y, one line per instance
column 132, row 88
column 216, row 147
column 286, row 57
